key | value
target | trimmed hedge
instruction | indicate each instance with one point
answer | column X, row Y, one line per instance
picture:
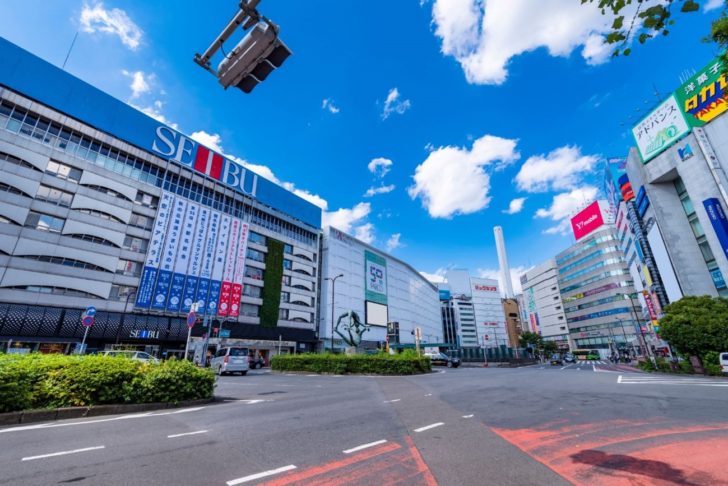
column 407, row 363
column 51, row 381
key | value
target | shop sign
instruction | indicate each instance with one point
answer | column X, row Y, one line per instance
column 375, row 278
column 143, row 334
column 665, row 125
column 486, row 288
column 702, row 97
column 587, row 220
column 718, row 220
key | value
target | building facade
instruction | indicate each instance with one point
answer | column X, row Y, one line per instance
column 102, row 206
column 380, row 288
column 543, row 304
column 513, row 321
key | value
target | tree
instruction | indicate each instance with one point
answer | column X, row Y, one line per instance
column 647, row 19
column 530, row 338
column 696, row 325
column 550, row 347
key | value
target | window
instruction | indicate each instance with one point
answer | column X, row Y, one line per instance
column 100, row 214
column 106, row 190
column 249, row 310
column 69, row 262
column 44, row 222
column 12, row 190
column 288, row 249
column 15, row 160
column 147, row 200
column 135, row 244
column 252, row 291
column 257, row 238
column 129, row 267
column 287, row 264
column 283, row 314
column 121, row 292
column 256, row 255
column 254, row 273
column 54, row 290
column 54, row 196
column 287, row 280
column 303, row 319
column 285, row 296
column 141, row 221
column 63, row 171
column 95, row 239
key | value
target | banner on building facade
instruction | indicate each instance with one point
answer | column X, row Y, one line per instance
column 182, row 262
column 197, row 248
column 226, row 286
column 148, row 280
column 375, row 276
column 218, row 263
column 237, row 290
column 703, row 97
column 660, row 129
column 169, row 255
column 208, row 254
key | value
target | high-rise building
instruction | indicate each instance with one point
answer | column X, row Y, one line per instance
column 542, row 303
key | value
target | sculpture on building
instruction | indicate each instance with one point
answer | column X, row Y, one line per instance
column 350, row 328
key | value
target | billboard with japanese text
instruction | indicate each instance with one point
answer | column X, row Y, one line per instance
column 154, row 252
column 660, row 129
column 587, row 220
column 703, row 97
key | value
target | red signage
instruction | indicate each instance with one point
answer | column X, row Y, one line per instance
column 586, row 221
column 486, row 288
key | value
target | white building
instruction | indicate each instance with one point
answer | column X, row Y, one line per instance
column 379, row 288
column 542, row 302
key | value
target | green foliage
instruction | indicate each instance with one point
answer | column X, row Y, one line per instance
column 407, row 363
column 531, row 338
column 49, row 381
column 696, row 325
column 711, row 363
column 550, row 347
column 272, row 283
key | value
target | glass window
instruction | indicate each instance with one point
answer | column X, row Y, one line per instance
column 63, row 171
column 287, row 264
column 285, row 296
column 252, row 291
column 136, row 244
column 129, row 267
column 249, row 310
column 121, row 292
column 696, row 227
column 287, row 280
column 287, row 249
column 283, row 314
column 44, row 222
column 54, row 196
column 257, row 238
column 254, row 273
column 256, row 255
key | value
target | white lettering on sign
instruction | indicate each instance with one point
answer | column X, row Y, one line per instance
column 590, row 219
column 144, row 334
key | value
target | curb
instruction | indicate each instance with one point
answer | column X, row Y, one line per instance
column 45, row 415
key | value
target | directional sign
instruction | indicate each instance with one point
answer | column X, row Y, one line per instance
column 224, row 333
column 191, row 319
column 91, row 311
column 87, row 321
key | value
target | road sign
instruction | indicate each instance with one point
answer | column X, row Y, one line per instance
column 87, row 321
column 90, row 311
column 224, row 333
column 191, row 319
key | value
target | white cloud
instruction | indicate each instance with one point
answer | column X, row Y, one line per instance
column 155, row 111
column 437, row 277
column 114, row 21
column 379, row 166
column 328, row 104
column 394, row 104
column 139, row 82
column 561, row 169
column 495, row 274
column 713, row 4
column 565, row 205
column 394, row 242
column 453, row 180
column 365, row 233
column 345, row 219
column 484, row 35
column 373, row 191
column 515, row 206
column 214, row 142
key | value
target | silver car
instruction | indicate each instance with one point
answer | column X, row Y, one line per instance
column 230, row 360
column 135, row 355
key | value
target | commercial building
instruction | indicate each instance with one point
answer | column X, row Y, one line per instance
column 543, row 304
column 514, row 325
column 103, row 206
column 596, row 286
column 380, row 288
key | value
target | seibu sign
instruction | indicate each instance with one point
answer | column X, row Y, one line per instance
column 587, row 220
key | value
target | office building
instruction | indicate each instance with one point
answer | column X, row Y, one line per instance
column 542, row 303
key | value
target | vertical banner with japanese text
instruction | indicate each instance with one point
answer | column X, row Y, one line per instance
column 154, row 252
column 196, row 253
column 208, row 254
column 226, row 286
column 182, row 261
column 218, row 263
column 169, row 254
column 237, row 291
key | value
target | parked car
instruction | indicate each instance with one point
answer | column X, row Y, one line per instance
column 556, row 359
column 230, row 360
column 135, row 355
column 569, row 358
column 255, row 363
column 441, row 359
column 724, row 362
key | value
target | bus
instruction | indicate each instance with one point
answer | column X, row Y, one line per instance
column 586, row 354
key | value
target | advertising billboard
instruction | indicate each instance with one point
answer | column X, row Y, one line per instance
column 169, row 255
column 660, row 129
column 587, row 220
column 375, row 278
column 703, row 97
column 718, row 221
column 154, row 252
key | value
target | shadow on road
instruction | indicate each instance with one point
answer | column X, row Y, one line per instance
column 645, row 467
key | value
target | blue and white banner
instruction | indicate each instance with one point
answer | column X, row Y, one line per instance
column 154, row 252
column 718, row 221
column 169, row 254
column 182, row 261
column 237, row 289
column 196, row 253
column 218, row 264
column 203, row 285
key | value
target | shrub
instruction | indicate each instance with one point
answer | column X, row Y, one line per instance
column 407, row 363
column 711, row 363
column 49, row 381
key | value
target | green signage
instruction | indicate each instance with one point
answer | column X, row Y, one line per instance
column 375, row 278
column 702, row 97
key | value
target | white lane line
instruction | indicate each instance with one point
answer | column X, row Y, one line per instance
column 429, row 395
column 263, row 474
column 619, row 379
column 468, row 416
column 428, row 427
column 392, row 401
column 564, row 367
column 187, row 433
column 594, row 367
column 364, row 446
column 62, row 453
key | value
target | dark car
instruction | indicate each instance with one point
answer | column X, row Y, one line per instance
column 255, row 363
column 441, row 359
column 556, row 359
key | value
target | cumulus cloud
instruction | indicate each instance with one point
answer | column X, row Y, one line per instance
column 713, row 4
column 328, row 104
column 564, row 206
column 561, row 169
column 484, row 35
column 515, row 206
column 495, row 274
column 345, row 219
column 379, row 166
column 139, row 82
column 365, row 233
column 438, row 276
column 113, row 21
column 453, row 180
column 155, row 111
column 394, row 242
column 395, row 104
column 214, row 142
column 373, row 191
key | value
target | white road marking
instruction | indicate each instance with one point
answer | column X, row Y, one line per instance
column 468, row 416
column 578, row 369
column 63, row 453
column 594, row 368
column 619, row 379
column 564, row 367
column 364, row 446
column 392, row 401
column 428, row 427
column 428, row 395
column 186, row 433
column 260, row 475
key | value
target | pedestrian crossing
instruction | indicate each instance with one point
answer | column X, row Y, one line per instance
column 664, row 379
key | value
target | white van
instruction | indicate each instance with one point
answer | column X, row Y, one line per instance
column 230, row 360
column 723, row 362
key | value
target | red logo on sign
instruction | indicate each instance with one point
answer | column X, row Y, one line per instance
column 589, row 219
column 208, row 162
column 486, row 288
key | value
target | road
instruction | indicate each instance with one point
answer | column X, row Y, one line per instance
column 596, row 425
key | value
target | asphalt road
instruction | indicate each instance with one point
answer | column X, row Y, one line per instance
column 587, row 424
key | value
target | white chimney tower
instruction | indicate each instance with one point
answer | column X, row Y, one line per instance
column 505, row 271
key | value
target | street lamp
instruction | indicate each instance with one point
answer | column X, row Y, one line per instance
column 251, row 61
column 123, row 315
column 648, row 351
column 333, row 295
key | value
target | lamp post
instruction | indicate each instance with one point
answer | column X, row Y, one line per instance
column 333, row 296
column 123, row 315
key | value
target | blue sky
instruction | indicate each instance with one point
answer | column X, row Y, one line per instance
column 415, row 124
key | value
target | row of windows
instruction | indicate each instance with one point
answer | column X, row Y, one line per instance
column 595, row 303
column 12, row 190
column 584, row 248
column 620, row 325
column 70, row 262
column 595, row 278
column 588, row 257
column 16, row 161
column 590, row 268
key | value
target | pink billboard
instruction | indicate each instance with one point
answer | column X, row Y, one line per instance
column 586, row 221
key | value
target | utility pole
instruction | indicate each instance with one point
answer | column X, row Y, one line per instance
column 333, row 296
